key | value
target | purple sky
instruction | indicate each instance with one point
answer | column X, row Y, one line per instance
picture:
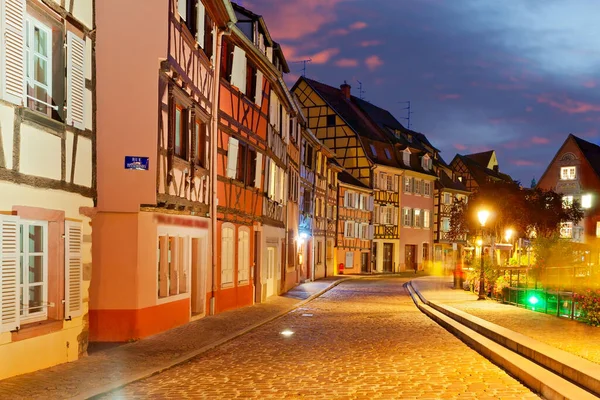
column 516, row 76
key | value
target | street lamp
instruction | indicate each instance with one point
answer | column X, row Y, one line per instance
column 508, row 235
column 482, row 215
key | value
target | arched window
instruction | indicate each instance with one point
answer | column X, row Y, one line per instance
column 227, row 254
column 243, row 255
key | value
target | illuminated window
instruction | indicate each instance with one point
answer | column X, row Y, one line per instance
column 586, row 201
column 417, row 218
column 407, row 217
column 426, row 219
column 567, row 173
column 566, row 230
column 597, row 229
column 445, row 224
column 567, row 201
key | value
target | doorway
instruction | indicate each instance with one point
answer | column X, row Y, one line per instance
column 388, row 256
column 364, row 262
column 410, row 252
column 270, row 278
column 198, row 273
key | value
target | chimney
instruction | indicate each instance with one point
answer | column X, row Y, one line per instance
column 346, row 90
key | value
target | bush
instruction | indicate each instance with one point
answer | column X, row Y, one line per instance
column 588, row 303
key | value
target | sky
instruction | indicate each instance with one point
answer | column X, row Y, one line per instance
column 515, row 76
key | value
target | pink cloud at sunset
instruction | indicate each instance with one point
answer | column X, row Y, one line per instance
column 358, row 25
column 529, row 109
column 339, row 32
column 522, row 163
column 373, row 62
column 460, row 147
column 346, row 62
column 539, row 140
column 323, row 56
column 590, row 84
column 369, row 43
column 449, row 96
column 568, row 105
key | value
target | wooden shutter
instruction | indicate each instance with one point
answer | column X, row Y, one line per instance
column 75, row 81
column 238, row 70
column 9, row 273
column 396, row 183
column 200, row 23
column 232, row 155
column 258, row 170
column 376, row 212
column 357, row 201
column 346, row 199
column 73, row 269
column 259, row 88
column 395, row 216
column 357, row 230
column 13, row 49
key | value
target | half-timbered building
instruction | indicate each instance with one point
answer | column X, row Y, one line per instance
column 154, row 162
column 47, row 181
column 355, row 229
column 475, row 170
column 255, row 109
column 333, row 170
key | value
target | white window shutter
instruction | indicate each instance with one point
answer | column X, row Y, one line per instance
column 73, row 269
column 395, row 216
column 238, row 69
column 376, row 214
column 200, row 16
column 395, row 183
column 346, row 199
column 258, row 171
column 259, row 89
column 232, row 153
column 9, row 273
column 12, row 56
column 357, row 230
column 75, row 81
column 357, row 201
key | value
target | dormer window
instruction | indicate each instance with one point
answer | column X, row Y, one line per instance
column 567, row 173
column 406, row 157
column 426, row 162
column 387, row 154
column 373, row 150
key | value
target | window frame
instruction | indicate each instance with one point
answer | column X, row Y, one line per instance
column 243, row 267
column 568, row 173
column 30, row 23
column 182, row 151
column 24, row 256
column 227, row 255
column 200, row 137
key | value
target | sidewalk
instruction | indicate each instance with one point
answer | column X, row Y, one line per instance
column 109, row 369
column 573, row 337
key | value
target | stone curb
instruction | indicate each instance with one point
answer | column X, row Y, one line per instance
column 186, row 357
column 534, row 376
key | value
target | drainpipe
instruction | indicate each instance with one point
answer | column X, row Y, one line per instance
column 213, row 160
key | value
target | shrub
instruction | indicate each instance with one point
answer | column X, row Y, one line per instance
column 588, row 303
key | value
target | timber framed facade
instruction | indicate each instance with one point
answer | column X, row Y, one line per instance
column 47, row 181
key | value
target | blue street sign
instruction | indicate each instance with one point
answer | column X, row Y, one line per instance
column 137, row 163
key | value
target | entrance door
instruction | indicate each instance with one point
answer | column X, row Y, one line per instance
column 270, row 278
column 388, row 256
column 411, row 257
column 198, row 274
column 364, row 262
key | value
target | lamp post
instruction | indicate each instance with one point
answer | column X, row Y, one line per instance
column 508, row 235
column 482, row 215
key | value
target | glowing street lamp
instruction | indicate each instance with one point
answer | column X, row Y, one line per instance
column 508, row 234
column 482, row 215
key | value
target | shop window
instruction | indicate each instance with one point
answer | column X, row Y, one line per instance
column 172, row 266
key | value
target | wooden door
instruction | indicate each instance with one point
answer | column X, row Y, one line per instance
column 198, row 273
column 410, row 257
column 388, row 257
column 364, row 262
column 270, row 272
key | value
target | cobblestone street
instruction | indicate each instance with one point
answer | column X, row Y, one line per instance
column 362, row 339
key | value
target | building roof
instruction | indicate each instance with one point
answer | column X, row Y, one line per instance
column 480, row 172
column 446, row 182
column 591, row 152
column 482, row 158
column 348, row 178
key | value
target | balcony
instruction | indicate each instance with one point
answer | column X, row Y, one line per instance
column 273, row 212
column 276, row 144
column 445, row 237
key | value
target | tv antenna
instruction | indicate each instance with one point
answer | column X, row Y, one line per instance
column 408, row 112
column 304, row 62
column 360, row 90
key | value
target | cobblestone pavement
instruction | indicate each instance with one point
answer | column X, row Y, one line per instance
column 572, row 336
column 363, row 339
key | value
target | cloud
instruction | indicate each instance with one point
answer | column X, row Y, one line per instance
column 529, row 109
column 339, row 32
column 346, row 62
column 590, row 84
column 539, row 140
column 568, row 105
column 373, row 62
column 358, row 25
column 369, row 43
column 460, row 147
column 449, row 96
column 323, row 56
column 523, row 163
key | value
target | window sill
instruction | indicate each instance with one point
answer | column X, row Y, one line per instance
column 35, row 329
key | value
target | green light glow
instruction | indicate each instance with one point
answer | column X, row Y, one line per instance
column 533, row 300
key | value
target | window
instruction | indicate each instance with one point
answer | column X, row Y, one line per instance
column 182, row 9
column 319, row 252
column 408, row 184
column 387, row 154
column 308, row 201
column 241, row 163
column 586, row 201
column 373, row 150
column 567, row 201
column 447, row 199
column 243, row 255
column 445, row 224
column 172, row 267
column 598, row 229
column 226, row 59
column 388, row 216
column 331, row 120
column 566, row 230
column 308, row 158
column 426, row 219
column 33, row 270
column 417, row 186
column 227, row 254
column 180, row 131
column 389, row 183
column 567, row 173
column 201, row 143
column 349, row 229
column 38, row 61
column 460, row 178
column 407, row 216
column 207, row 42
column 427, row 189
column 364, row 202
column 406, row 157
column 425, row 252
column 364, row 231
column 417, row 218
column 250, row 81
